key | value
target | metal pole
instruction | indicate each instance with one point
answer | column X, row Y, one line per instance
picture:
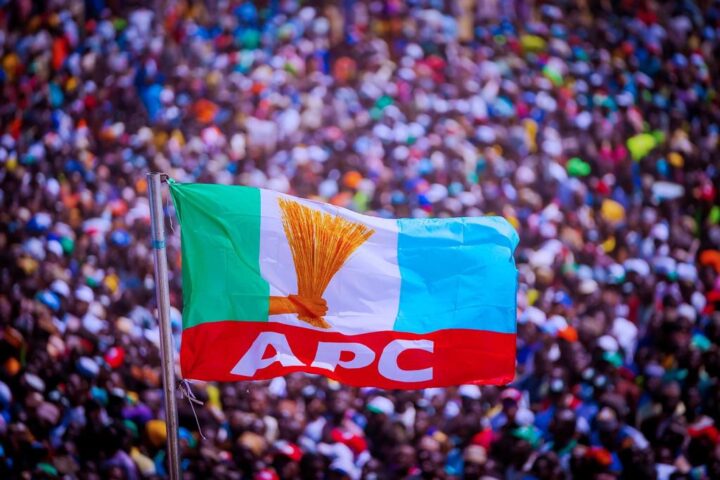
column 162, row 290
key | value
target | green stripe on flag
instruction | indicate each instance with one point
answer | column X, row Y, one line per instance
column 220, row 253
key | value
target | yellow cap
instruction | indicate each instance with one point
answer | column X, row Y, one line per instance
column 156, row 431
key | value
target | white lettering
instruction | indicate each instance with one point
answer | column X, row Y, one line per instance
column 388, row 365
column 253, row 359
column 328, row 356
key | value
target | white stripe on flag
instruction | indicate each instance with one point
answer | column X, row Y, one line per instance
column 363, row 296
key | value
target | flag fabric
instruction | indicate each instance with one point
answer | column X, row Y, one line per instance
column 274, row 284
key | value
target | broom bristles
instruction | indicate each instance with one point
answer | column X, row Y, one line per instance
column 320, row 244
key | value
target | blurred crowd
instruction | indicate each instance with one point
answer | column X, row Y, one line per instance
column 591, row 125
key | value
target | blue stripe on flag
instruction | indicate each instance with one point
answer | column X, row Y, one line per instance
column 457, row 273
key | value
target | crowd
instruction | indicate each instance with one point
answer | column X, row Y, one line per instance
column 591, row 125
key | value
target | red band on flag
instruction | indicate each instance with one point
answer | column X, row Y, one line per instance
column 385, row 359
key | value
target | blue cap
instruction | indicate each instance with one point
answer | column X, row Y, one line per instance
column 49, row 299
column 121, row 238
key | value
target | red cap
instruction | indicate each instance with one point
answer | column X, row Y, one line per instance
column 356, row 443
column 511, row 394
column 290, row 450
column 600, row 455
column 484, row 438
column 266, row 474
column 705, row 428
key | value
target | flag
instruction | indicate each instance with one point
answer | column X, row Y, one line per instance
column 274, row 284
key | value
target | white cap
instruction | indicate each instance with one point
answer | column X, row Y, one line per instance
column 665, row 265
column 533, row 315
column 432, row 392
column 470, row 391
column 638, row 266
column 84, row 294
column 381, row 405
column 616, row 272
column 588, row 286
column 35, row 248
column 55, row 247
column 524, row 417
column 541, row 258
column 34, row 382
column 660, row 231
column 698, row 301
column 552, row 213
column 584, row 272
column 60, row 287
column 688, row 312
column 608, row 343
column 525, row 175
column 624, row 330
column 558, row 322
column 687, row 272
column 92, row 324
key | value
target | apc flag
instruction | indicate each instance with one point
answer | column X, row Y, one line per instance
column 274, row 284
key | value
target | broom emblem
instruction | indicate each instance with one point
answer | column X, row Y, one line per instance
column 320, row 244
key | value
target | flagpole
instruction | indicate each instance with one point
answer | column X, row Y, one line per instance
column 162, row 292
